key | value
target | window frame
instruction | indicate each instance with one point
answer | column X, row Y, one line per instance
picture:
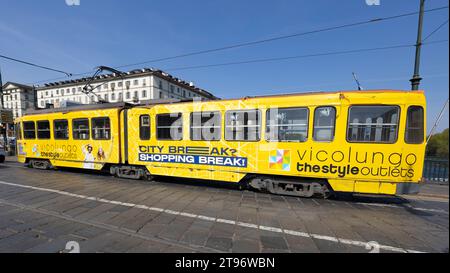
column 54, row 129
column 287, row 108
column 423, row 125
column 373, row 105
column 49, row 129
column 200, row 112
column 157, row 126
column 334, row 124
column 243, row 110
column 102, row 128
column 34, row 129
column 149, row 127
column 74, row 130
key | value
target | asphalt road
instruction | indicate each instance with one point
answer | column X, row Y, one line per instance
column 41, row 211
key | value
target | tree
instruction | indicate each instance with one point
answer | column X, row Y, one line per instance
column 438, row 145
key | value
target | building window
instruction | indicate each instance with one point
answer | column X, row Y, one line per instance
column 144, row 93
column 287, row 124
column 80, row 128
column 61, row 129
column 120, row 84
column 243, row 125
column 29, row 131
column 43, row 129
column 414, row 133
column 373, row 124
column 136, row 82
column 205, row 126
column 144, row 127
column 136, row 95
column 160, row 84
column 101, row 128
column 113, row 96
column 127, row 95
column 169, row 126
column 144, row 82
column 324, row 123
column 172, row 88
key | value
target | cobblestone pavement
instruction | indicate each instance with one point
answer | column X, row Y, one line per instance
column 40, row 211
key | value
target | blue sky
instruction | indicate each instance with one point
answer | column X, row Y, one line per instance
column 114, row 33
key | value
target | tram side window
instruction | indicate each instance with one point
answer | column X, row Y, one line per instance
column 144, row 127
column 377, row 124
column 324, row 123
column 29, row 130
column 61, row 129
column 169, row 126
column 43, row 129
column 414, row 125
column 287, row 124
column 101, row 128
column 205, row 126
column 80, row 128
column 243, row 125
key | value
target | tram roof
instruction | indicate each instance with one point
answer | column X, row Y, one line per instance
column 100, row 106
column 120, row 105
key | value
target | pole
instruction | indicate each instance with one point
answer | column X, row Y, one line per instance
column 415, row 81
column 1, row 90
column 4, row 130
column 441, row 114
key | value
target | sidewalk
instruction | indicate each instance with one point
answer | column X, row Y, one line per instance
column 434, row 190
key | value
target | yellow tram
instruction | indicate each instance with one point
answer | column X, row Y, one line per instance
column 295, row 144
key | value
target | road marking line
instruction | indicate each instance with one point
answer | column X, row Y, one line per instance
column 188, row 215
column 231, row 222
column 171, row 212
column 207, row 218
column 273, row 229
column 326, row 238
column 213, row 219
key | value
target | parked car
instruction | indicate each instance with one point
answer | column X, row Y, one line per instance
column 2, row 154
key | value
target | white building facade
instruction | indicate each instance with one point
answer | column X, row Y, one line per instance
column 134, row 86
column 18, row 98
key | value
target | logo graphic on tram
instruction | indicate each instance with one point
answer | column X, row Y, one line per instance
column 280, row 160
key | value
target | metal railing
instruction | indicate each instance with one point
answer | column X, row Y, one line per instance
column 435, row 169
